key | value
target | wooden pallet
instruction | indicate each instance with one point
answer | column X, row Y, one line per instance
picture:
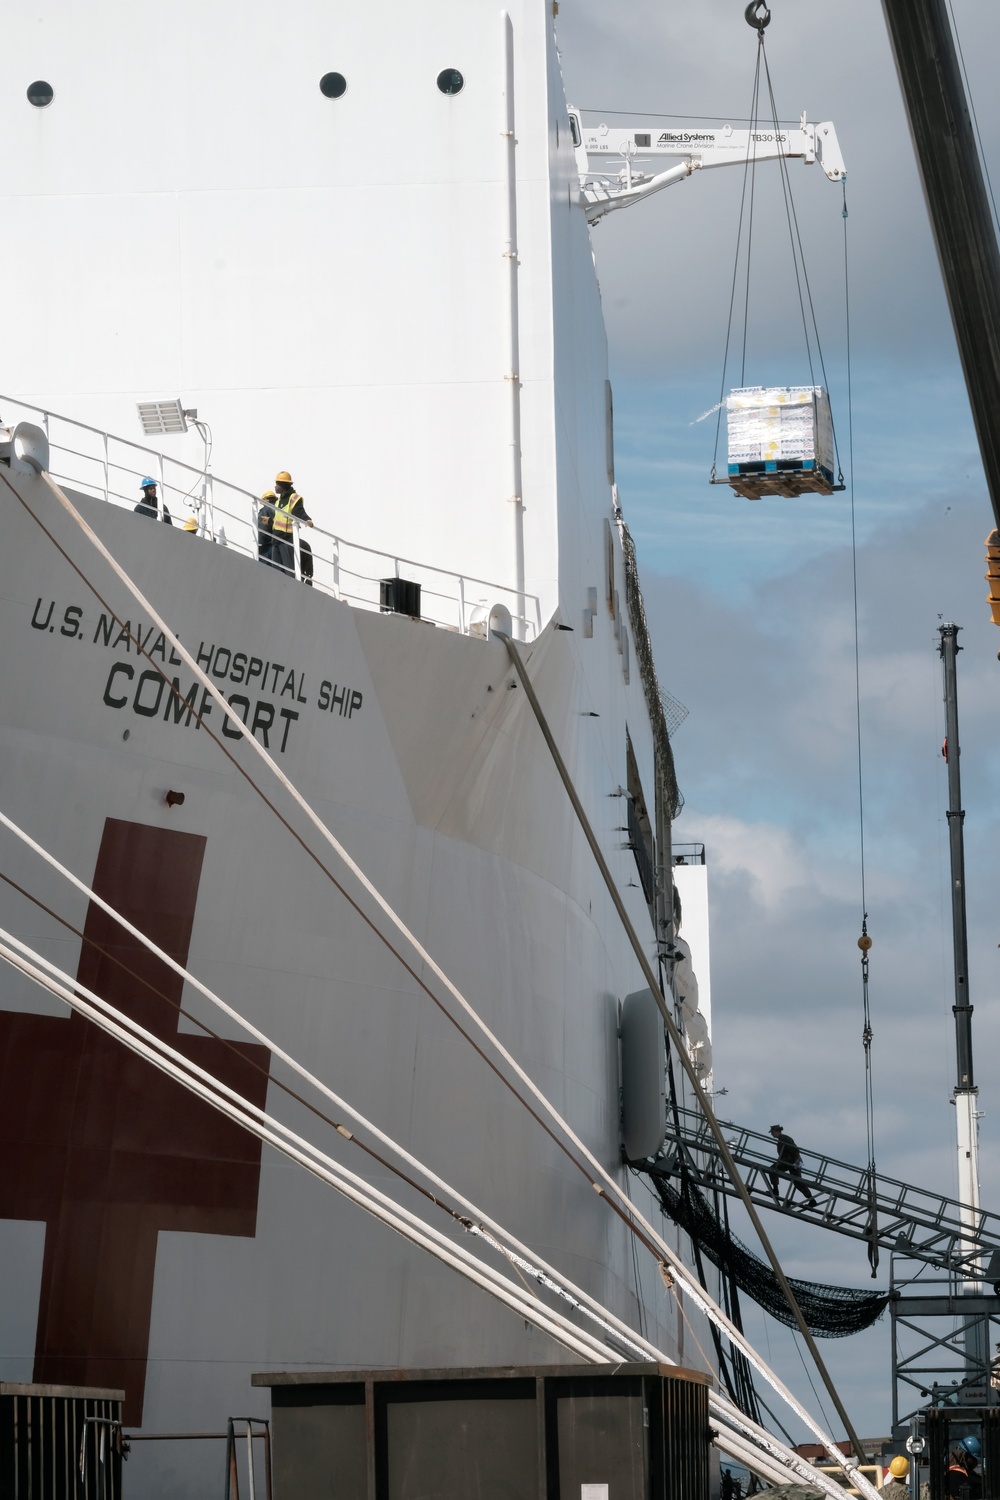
column 774, row 481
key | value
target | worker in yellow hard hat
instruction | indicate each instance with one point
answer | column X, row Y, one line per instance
column 289, row 506
column 191, row 524
column 896, row 1487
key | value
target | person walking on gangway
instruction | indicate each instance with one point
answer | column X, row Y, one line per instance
column 789, row 1164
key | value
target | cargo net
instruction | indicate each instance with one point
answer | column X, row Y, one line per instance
column 832, row 1312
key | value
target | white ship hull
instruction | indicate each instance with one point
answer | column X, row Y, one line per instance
column 415, row 748
column 459, row 399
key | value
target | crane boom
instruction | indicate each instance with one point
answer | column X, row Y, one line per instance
column 609, row 156
column 957, row 202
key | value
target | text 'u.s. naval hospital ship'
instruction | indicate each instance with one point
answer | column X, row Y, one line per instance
column 310, row 934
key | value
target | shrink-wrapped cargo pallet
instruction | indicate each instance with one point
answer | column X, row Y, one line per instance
column 780, row 441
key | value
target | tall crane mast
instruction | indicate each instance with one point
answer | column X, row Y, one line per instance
column 965, row 1093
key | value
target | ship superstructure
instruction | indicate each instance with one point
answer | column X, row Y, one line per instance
column 355, row 250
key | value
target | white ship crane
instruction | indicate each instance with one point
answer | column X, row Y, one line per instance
column 609, row 156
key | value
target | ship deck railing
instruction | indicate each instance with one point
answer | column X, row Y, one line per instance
column 99, row 464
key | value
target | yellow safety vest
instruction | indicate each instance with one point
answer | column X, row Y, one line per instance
column 282, row 525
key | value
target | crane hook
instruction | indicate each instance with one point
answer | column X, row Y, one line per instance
column 758, row 16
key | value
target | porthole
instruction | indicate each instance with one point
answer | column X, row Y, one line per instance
column 332, row 85
column 450, row 81
column 40, row 93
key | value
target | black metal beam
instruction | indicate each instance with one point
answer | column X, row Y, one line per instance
column 971, row 1306
column 959, row 209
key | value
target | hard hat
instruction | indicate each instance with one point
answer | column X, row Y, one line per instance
column 268, row 495
column 147, row 483
column 191, row 524
column 900, row 1467
column 973, row 1446
column 283, row 478
column 773, row 1128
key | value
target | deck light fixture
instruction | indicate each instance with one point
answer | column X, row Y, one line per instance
column 162, row 418
column 169, row 418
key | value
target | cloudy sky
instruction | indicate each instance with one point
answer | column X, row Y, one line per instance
column 752, row 604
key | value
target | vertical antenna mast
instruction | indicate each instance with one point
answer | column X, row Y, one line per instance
column 965, row 1095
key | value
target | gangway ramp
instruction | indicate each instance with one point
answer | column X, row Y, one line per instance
column 878, row 1210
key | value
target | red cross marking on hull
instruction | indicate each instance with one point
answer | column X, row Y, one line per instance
column 105, row 1149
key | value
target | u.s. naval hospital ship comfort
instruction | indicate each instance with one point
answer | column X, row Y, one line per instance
column 354, row 243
